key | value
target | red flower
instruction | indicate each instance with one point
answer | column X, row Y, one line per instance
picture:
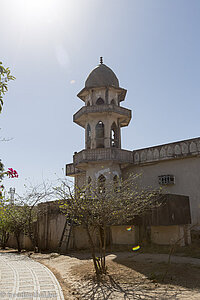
column 12, row 173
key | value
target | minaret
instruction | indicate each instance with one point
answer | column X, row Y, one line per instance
column 102, row 118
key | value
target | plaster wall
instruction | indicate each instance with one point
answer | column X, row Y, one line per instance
column 50, row 228
column 56, row 225
column 167, row 235
column 107, row 169
column 187, row 180
column 94, row 94
column 107, row 120
column 80, row 238
column 25, row 242
column 112, row 94
column 80, row 180
column 120, row 235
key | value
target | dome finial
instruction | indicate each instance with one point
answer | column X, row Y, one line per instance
column 101, row 59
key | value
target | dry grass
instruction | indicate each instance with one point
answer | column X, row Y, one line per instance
column 129, row 279
column 130, row 272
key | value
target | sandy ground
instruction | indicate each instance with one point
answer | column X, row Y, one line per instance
column 130, row 276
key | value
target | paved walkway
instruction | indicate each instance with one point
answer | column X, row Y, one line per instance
column 23, row 278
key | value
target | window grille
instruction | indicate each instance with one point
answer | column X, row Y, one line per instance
column 166, row 179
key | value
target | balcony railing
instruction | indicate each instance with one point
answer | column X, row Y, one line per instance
column 103, row 154
column 102, row 108
column 71, row 170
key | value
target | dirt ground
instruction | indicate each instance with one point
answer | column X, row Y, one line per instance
column 130, row 276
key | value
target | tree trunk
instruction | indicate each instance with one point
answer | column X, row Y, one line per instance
column 4, row 239
column 17, row 236
column 93, row 252
column 104, row 250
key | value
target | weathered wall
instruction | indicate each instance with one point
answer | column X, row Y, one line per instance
column 168, row 235
column 80, row 180
column 25, row 242
column 120, row 235
column 50, row 226
column 108, row 120
column 108, row 169
column 80, row 238
column 187, row 179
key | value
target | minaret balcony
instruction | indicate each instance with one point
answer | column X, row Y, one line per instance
column 71, row 170
column 100, row 155
column 123, row 114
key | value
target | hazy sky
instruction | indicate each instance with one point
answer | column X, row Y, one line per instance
column 153, row 46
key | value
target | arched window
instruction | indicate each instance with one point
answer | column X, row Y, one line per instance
column 88, row 138
column 116, row 185
column 88, row 103
column 112, row 102
column 101, row 184
column 114, row 136
column 99, row 135
column 100, row 101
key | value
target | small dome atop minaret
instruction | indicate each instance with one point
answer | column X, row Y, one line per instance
column 102, row 76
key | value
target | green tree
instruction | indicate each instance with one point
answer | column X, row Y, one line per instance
column 5, row 226
column 5, row 76
column 100, row 205
column 20, row 218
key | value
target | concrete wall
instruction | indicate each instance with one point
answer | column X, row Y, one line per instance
column 50, row 228
column 108, row 120
column 80, row 180
column 25, row 242
column 120, row 235
column 94, row 94
column 187, row 179
column 50, row 225
column 80, row 238
column 168, row 235
column 107, row 169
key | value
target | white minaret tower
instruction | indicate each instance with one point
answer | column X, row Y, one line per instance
column 102, row 118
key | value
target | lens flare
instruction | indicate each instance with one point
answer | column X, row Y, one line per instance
column 136, row 248
column 129, row 228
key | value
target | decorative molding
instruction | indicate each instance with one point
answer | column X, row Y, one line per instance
column 181, row 149
column 102, row 154
column 177, row 150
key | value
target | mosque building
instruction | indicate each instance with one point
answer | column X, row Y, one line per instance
column 174, row 166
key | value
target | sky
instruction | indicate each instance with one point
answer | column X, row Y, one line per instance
column 51, row 46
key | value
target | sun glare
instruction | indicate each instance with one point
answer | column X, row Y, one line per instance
column 34, row 16
column 39, row 10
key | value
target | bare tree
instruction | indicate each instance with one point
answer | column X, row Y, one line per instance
column 23, row 214
column 99, row 205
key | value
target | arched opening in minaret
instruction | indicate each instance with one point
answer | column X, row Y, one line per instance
column 88, row 103
column 88, row 138
column 100, row 101
column 99, row 135
column 114, row 136
column 116, row 185
column 113, row 102
column 101, row 184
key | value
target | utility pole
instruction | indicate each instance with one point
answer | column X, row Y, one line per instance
column 12, row 194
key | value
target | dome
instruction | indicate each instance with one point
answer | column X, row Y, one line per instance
column 102, row 76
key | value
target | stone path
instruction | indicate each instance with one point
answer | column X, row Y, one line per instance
column 23, row 278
